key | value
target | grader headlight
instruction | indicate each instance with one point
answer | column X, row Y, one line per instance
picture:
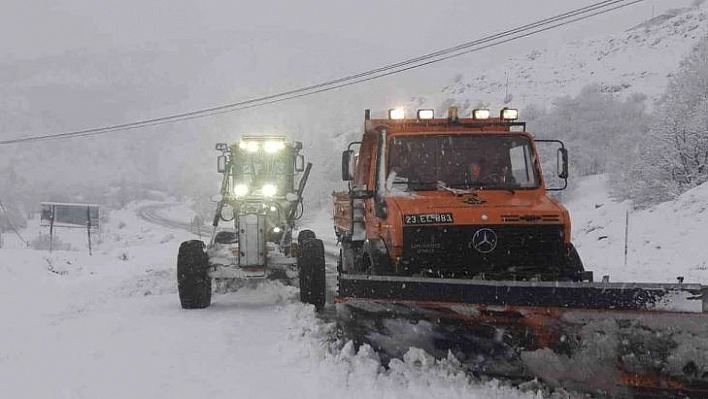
column 241, row 190
column 273, row 146
column 269, row 190
column 250, row 146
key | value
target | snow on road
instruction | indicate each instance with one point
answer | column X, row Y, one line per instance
column 110, row 326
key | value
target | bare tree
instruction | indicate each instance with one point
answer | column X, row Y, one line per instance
column 673, row 158
column 599, row 129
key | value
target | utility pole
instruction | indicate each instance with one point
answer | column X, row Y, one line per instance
column 626, row 236
column 88, row 228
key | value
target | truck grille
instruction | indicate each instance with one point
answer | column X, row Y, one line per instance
column 454, row 250
column 530, row 218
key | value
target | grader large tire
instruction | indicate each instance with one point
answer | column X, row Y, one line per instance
column 193, row 281
column 305, row 235
column 311, row 259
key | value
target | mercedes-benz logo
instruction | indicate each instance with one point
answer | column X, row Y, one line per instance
column 484, row 241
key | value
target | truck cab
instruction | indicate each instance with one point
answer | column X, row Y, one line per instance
column 461, row 198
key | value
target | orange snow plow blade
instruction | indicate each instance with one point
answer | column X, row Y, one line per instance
column 606, row 338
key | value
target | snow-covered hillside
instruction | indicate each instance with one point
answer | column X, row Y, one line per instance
column 664, row 242
column 638, row 60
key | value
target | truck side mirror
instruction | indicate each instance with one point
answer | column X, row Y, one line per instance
column 221, row 163
column 562, row 163
column 221, row 147
column 348, row 165
column 299, row 163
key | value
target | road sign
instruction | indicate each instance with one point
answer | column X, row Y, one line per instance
column 55, row 214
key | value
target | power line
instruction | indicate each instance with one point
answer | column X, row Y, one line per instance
column 543, row 25
column 345, row 81
column 423, row 64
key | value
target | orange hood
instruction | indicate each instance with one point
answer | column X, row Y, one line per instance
column 482, row 207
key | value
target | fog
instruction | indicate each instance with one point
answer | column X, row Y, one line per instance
column 82, row 64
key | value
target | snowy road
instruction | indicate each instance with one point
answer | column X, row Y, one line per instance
column 152, row 213
column 110, row 326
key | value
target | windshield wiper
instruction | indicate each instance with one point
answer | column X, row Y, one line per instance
column 471, row 187
column 442, row 186
column 417, row 185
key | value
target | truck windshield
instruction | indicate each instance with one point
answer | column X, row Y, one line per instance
column 461, row 161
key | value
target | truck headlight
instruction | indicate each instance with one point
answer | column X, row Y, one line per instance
column 480, row 114
column 510, row 114
column 424, row 114
column 273, row 146
column 240, row 190
column 269, row 190
column 396, row 114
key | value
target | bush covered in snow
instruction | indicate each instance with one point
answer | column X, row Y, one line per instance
column 650, row 158
column 598, row 128
column 41, row 243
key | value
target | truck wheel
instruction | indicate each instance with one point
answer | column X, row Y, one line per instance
column 193, row 281
column 312, row 273
column 305, row 235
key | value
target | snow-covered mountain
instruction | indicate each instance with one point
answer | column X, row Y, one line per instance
column 638, row 60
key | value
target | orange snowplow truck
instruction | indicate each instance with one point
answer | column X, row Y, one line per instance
column 453, row 198
column 449, row 220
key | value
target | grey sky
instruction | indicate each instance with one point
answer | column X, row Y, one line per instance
column 244, row 49
column 70, row 65
column 38, row 27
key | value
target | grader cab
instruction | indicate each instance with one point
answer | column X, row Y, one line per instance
column 263, row 179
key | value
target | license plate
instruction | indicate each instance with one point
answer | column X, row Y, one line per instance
column 428, row 218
